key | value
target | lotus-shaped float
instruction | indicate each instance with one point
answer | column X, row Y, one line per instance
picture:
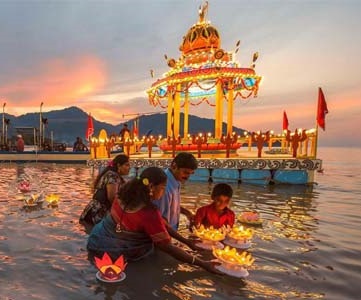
column 230, row 256
column 210, row 234
column 250, row 217
column 239, row 233
column 24, row 186
column 108, row 270
column 52, row 199
column 33, row 200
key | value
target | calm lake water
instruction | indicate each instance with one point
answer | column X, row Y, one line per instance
column 308, row 248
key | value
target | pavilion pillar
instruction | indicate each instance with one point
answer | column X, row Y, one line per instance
column 169, row 111
column 186, row 114
column 177, row 110
column 219, row 110
column 230, row 111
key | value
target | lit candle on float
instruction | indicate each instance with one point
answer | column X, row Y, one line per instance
column 240, row 234
column 210, row 234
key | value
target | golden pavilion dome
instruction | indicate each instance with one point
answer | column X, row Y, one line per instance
column 201, row 36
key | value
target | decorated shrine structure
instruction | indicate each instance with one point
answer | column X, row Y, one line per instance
column 206, row 74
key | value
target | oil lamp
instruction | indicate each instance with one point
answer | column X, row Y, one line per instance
column 150, row 141
column 199, row 141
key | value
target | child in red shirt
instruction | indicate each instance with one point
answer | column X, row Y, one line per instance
column 217, row 214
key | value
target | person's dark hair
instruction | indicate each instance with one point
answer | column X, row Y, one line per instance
column 222, row 189
column 137, row 190
column 185, row 160
column 119, row 160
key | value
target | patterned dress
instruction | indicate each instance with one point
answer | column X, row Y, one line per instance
column 100, row 205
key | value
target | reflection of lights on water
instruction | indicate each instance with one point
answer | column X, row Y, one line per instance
column 271, row 292
column 195, row 287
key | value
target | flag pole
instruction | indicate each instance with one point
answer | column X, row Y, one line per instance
column 316, row 140
column 316, row 137
column 317, row 120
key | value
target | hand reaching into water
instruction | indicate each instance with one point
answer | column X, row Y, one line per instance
column 191, row 243
column 209, row 266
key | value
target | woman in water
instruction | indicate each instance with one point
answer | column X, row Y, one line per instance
column 106, row 186
column 134, row 226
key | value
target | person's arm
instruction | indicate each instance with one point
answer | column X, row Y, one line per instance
column 112, row 189
column 174, row 234
column 184, row 256
column 232, row 219
column 187, row 213
column 199, row 216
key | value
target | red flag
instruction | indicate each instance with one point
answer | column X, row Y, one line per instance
column 135, row 127
column 321, row 109
column 135, row 131
column 285, row 121
column 90, row 128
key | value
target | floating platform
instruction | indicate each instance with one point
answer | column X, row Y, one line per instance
column 241, row 168
column 260, row 171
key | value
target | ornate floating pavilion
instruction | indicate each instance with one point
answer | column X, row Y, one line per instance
column 205, row 73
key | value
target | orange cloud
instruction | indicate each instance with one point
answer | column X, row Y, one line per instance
column 58, row 82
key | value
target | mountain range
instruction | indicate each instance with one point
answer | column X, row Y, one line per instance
column 66, row 124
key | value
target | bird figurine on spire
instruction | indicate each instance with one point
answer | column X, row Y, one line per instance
column 203, row 12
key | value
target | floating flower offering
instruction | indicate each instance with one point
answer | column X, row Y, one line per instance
column 24, row 186
column 33, row 200
column 231, row 256
column 239, row 237
column 240, row 233
column 233, row 262
column 109, row 271
column 52, row 199
column 250, row 217
column 210, row 234
column 210, row 237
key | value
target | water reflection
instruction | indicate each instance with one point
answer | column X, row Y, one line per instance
column 48, row 245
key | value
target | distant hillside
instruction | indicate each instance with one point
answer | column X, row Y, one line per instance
column 66, row 124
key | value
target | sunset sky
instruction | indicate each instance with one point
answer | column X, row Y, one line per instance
column 97, row 55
